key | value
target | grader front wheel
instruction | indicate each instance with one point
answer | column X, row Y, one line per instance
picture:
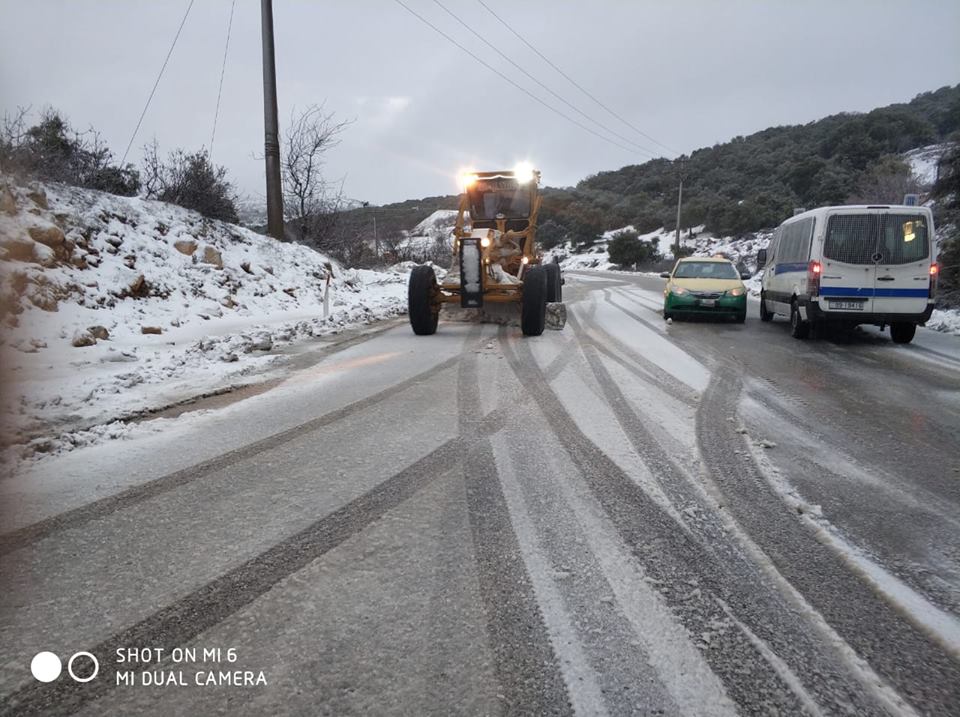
column 424, row 312
column 533, row 310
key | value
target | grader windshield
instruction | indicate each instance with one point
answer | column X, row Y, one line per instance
column 501, row 196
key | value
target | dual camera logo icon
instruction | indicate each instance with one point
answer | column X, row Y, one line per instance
column 46, row 666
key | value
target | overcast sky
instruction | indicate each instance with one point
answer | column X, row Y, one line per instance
column 689, row 74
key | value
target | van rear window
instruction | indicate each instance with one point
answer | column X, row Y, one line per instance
column 877, row 238
column 903, row 239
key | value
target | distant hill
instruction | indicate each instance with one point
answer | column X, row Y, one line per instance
column 392, row 221
column 743, row 185
column 754, row 182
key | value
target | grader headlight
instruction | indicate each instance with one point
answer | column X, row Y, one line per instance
column 523, row 172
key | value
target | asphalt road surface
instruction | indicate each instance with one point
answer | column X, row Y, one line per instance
column 623, row 517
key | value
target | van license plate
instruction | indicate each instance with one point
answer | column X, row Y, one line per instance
column 708, row 302
column 847, row 305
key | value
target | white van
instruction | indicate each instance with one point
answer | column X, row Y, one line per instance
column 851, row 265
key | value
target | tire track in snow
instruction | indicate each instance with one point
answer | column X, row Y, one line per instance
column 655, row 325
column 921, row 550
column 641, row 298
column 823, row 452
column 941, row 626
column 78, row 517
column 651, row 371
column 920, row 670
column 527, row 667
column 685, row 573
column 183, row 620
column 642, row 659
column 754, row 599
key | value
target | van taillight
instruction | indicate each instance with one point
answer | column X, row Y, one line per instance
column 934, row 273
column 813, row 278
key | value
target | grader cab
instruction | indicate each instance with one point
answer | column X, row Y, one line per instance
column 495, row 257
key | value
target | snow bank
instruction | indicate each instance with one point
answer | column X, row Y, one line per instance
column 112, row 306
column 741, row 250
column 430, row 239
column 945, row 320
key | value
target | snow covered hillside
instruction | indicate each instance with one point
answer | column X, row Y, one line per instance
column 742, row 250
column 112, row 306
column 431, row 239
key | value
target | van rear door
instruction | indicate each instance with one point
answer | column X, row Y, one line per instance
column 848, row 276
column 902, row 283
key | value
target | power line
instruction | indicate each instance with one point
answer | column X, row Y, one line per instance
column 223, row 69
column 519, row 87
column 574, row 82
column 541, row 84
column 167, row 59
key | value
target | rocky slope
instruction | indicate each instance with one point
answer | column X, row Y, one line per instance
column 113, row 305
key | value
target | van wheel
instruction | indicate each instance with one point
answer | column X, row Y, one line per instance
column 799, row 329
column 902, row 332
column 765, row 315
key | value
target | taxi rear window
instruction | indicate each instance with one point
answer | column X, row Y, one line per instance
column 705, row 270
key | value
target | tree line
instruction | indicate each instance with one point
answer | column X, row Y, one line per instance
column 755, row 182
column 735, row 187
column 51, row 149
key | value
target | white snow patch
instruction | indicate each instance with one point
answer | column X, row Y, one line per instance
column 741, row 250
column 221, row 301
column 946, row 321
column 923, row 162
column 431, row 238
column 440, row 222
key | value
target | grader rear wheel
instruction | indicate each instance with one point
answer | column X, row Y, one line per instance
column 424, row 313
column 554, row 283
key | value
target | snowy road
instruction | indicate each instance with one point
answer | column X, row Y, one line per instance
column 626, row 517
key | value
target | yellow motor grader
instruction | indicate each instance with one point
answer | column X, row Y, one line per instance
column 495, row 258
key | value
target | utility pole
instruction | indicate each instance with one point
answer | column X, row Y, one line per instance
column 271, row 145
column 676, row 251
